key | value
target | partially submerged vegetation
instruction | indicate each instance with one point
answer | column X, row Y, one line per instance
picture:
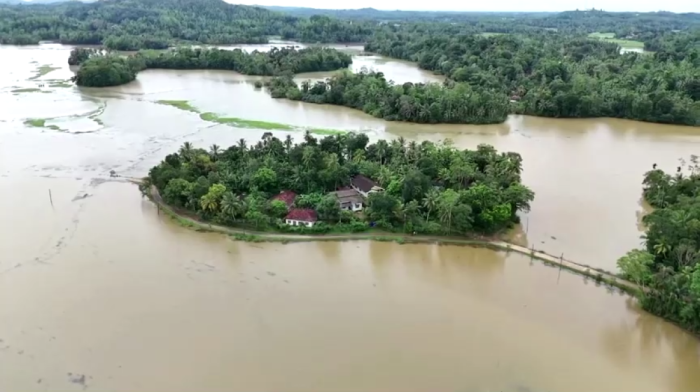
column 26, row 90
column 106, row 69
column 668, row 266
column 35, row 122
column 41, row 123
column 43, row 70
column 182, row 105
column 420, row 188
column 246, row 123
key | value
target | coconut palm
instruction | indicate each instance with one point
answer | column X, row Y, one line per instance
column 186, row 149
column 231, row 205
column 214, row 151
column 430, row 201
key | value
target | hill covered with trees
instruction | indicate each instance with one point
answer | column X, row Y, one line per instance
column 669, row 265
column 429, row 188
column 156, row 24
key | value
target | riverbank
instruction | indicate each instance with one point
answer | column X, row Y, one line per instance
column 586, row 271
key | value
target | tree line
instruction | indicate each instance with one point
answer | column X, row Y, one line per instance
column 551, row 74
column 101, row 69
column 157, row 24
column 420, row 103
column 429, row 188
column 669, row 265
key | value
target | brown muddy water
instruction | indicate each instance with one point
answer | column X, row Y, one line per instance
column 99, row 292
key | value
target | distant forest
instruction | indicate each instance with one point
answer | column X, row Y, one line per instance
column 566, row 64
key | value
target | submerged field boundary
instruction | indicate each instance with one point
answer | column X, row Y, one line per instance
column 247, row 123
column 599, row 275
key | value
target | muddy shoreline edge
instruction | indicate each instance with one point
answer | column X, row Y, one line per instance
column 598, row 275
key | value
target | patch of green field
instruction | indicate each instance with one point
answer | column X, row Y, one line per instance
column 610, row 37
column 243, row 123
column 43, row 70
column 182, row 105
column 54, row 127
column 26, row 90
column 626, row 43
column 490, row 34
column 601, row 35
column 35, row 122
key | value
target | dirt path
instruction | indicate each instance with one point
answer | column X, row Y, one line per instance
column 582, row 269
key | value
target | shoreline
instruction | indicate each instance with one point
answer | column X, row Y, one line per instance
column 599, row 275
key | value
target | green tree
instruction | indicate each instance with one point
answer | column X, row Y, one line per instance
column 636, row 266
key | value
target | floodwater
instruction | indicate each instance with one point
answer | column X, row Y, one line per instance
column 99, row 292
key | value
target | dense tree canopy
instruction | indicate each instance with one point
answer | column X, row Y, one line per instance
column 156, row 24
column 669, row 266
column 420, row 103
column 105, row 71
column 274, row 62
column 556, row 75
column 432, row 189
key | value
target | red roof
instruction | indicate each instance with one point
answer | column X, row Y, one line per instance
column 302, row 214
column 287, row 197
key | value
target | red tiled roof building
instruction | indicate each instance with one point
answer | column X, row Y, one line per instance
column 287, row 197
column 301, row 217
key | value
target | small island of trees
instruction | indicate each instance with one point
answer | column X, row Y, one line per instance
column 342, row 183
column 455, row 103
column 668, row 268
column 99, row 69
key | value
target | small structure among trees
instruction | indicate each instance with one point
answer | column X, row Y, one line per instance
column 275, row 184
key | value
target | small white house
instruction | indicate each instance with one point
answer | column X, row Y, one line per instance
column 301, row 217
column 350, row 200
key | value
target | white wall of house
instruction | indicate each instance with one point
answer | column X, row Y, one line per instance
column 352, row 207
column 293, row 222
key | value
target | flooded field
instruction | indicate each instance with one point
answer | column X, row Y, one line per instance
column 99, row 292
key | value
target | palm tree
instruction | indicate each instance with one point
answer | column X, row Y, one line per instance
column 288, row 144
column 431, row 201
column 405, row 211
column 209, row 204
column 214, row 150
column 186, row 149
column 242, row 144
column 231, row 205
column 384, row 176
column 382, row 150
column 447, row 203
column 661, row 248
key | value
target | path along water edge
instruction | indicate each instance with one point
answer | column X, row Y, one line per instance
column 598, row 275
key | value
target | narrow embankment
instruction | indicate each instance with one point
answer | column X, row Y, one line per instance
column 582, row 269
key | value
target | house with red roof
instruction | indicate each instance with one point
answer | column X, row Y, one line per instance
column 301, row 217
column 287, row 197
